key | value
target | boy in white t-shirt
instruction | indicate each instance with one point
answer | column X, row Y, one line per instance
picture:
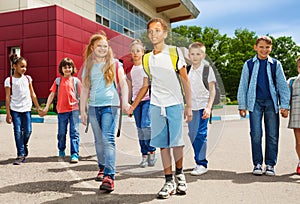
column 202, row 102
column 167, row 108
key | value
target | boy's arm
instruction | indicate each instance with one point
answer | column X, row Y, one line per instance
column 212, row 94
column 188, row 96
column 7, row 105
column 140, row 96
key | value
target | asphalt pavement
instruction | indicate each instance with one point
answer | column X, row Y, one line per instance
column 45, row 178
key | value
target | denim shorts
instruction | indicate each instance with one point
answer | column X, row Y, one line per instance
column 166, row 126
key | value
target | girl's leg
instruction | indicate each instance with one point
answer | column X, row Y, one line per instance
column 138, row 119
column 95, row 120
column 27, row 130
column 166, row 160
column 17, row 122
column 297, row 137
column 62, row 130
column 108, row 124
column 74, row 132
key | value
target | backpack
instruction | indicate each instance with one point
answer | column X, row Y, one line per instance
column 205, row 74
column 273, row 65
column 57, row 81
column 174, row 58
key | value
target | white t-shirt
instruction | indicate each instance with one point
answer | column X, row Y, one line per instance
column 165, row 87
column 137, row 76
column 20, row 99
column 200, row 94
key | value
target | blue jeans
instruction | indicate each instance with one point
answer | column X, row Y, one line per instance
column 198, row 136
column 103, row 121
column 142, row 121
column 63, row 119
column 22, row 130
column 264, row 108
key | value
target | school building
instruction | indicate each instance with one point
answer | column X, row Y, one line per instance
column 45, row 31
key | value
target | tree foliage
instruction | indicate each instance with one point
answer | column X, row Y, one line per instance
column 229, row 54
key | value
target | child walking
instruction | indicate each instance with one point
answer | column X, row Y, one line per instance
column 141, row 111
column 101, row 76
column 66, row 88
column 262, row 88
column 202, row 102
column 166, row 106
column 19, row 97
column 294, row 122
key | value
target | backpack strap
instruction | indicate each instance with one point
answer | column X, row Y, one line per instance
column 117, row 86
column 10, row 81
column 57, row 81
column 188, row 68
column 205, row 76
column 145, row 60
column 291, row 84
column 76, row 81
column 174, row 57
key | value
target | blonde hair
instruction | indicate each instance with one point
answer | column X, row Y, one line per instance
column 137, row 42
column 89, row 58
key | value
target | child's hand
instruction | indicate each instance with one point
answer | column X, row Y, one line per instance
column 8, row 118
column 83, row 117
column 188, row 114
column 243, row 113
column 284, row 113
column 206, row 113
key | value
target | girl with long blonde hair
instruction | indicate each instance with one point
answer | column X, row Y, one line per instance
column 101, row 75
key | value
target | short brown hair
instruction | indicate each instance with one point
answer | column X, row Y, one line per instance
column 197, row 45
column 158, row 20
column 66, row 62
column 265, row 38
column 298, row 59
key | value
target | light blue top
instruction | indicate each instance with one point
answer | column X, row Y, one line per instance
column 102, row 94
column 247, row 91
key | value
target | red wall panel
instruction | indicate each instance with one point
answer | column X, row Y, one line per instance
column 35, row 15
column 11, row 32
column 11, row 18
column 35, row 29
column 72, row 32
column 36, row 45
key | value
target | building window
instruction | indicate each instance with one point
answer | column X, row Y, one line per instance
column 121, row 16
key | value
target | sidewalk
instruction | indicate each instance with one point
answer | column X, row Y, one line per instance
column 45, row 178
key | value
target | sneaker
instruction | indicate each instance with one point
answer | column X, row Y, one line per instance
column 298, row 169
column 74, row 158
column 61, row 153
column 100, row 175
column 167, row 190
column 199, row 170
column 181, row 184
column 270, row 170
column 152, row 159
column 19, row 160
column 257, row 170
column 107, row 184
column 144, row 162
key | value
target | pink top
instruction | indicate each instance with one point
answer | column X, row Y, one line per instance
column 137, row 78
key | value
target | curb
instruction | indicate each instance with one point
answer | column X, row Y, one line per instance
column 53, row 119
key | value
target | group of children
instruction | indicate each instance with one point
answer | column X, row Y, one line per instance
column 175, row 95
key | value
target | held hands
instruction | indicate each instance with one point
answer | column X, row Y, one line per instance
column 206, row 113
column 43, row 112
column 284, row 113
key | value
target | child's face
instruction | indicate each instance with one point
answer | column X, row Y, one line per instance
column 67, row 70
column 156, row 33
column 136, row 52
column 20, row 67
column 263, row 49
column 196, row 55
column 100, row 48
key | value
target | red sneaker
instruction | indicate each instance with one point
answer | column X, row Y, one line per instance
column 298, row 170
column 107, row 184
column 100, row 175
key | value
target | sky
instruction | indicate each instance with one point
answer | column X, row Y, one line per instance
column 274, row 17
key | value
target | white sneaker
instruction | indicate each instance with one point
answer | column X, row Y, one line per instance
column 199, row 170
column 181, row 184
column 167, row 190
column 144, row 162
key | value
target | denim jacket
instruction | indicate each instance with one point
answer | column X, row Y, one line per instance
column 247, row 91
